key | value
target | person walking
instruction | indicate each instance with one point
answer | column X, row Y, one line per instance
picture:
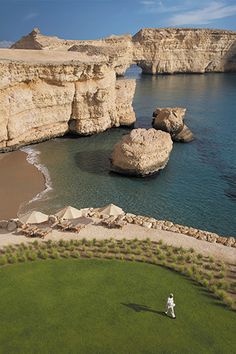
column 170, row 306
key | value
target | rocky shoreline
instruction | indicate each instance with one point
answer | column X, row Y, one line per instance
column 148, row 223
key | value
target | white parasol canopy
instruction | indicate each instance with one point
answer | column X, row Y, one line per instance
column 34, row 217
column 111, row 210
column 70, row 212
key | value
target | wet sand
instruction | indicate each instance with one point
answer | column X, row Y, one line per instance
column 19, row 182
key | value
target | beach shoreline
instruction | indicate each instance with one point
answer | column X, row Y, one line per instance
column 20, row 181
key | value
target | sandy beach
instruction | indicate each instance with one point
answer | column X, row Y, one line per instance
column 19, row 182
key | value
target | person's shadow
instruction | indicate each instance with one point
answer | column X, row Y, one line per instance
column 144, row 308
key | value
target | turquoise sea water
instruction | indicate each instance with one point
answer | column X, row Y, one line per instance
column 198, row 186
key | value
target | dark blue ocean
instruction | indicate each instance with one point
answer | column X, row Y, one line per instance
column 198, row 186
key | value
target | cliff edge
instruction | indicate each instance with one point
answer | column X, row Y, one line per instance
column 43, row 95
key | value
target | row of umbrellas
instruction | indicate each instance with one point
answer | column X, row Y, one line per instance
column 69, row 212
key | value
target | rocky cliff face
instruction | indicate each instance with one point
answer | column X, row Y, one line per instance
column 42, row 96
column 185, row 50
column 155, row 50
column 117, row 50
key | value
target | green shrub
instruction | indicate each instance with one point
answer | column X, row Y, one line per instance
column 11, row 259
column 205, row 283
column 229, row 301
column 149, row 254
column 164, row 246
column 197, row 277
column 191, row 250
column 189, row 272
column 62, row 243
column 117, row 249
column 188, row 258
column 211, row 260
column 173, row 258
column 221, row 284
column 66, row 254
column 210, row 275
column 89, row 254
column 35, row 243
column 104, row 249
column 75, row 254
column 31, row 256
column 208, row 266
column 21, row 258
column 199, row 256
column 221, row 275
column 221, row 294
column 169, row 252
column 42, row 254
column 148, row 241
column 181, row 250
column 55, row 254
column 3, row 260
column 180, row 258
column 161, row 256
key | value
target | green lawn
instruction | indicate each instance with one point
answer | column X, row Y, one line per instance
column 94, row 306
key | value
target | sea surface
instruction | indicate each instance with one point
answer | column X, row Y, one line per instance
column 198, row 186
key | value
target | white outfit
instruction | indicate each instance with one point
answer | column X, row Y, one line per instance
column 170, row 307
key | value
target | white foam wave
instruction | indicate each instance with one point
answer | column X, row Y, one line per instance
column 33, row 159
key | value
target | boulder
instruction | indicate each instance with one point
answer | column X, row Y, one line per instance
column 141, row 153
column 171, row 120
column 3, row 224
column 12, row 225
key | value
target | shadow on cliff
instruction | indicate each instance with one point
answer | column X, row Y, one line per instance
column 230, row 58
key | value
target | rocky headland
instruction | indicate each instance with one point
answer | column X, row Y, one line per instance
column 171, row 120
column 184, row 50
column 44, row 95
column 117, row 50
column 155, row 50
column 141, row 153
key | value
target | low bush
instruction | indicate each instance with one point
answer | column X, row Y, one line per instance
column 42, row 254
column 11, row 259
column 221, row 275
column 31, row 256
column 3, row 260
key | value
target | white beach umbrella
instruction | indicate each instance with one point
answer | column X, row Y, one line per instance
column 69, row 212
column 111, row 210
column 34, row 217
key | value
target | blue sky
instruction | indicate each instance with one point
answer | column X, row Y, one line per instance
column 88, row 19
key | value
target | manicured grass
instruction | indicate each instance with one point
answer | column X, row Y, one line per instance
column 98, row 306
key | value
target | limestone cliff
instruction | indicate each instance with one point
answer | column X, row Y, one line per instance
column 179, row 50
column 43, row 96
column 117, row 50
column 155, row 50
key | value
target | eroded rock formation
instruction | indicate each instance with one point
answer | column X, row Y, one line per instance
column 171, row 120
column 117, row 50
column 142, row 152
column 184, row 50
column 43, row 95
column 155, row 50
